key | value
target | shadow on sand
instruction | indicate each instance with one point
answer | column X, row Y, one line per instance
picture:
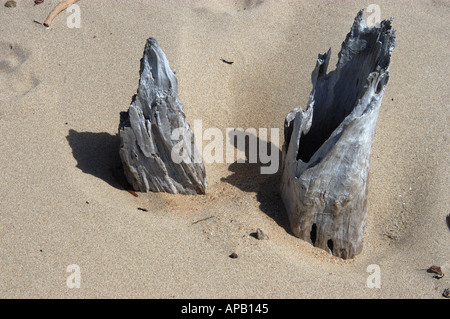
column 96, row 154
column 248, row 178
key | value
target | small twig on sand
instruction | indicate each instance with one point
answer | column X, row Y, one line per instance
column 201, row 220
column 60, row 7
column 225, row 61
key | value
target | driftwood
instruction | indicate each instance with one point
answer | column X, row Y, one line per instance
column 326, row 153
column 154, row 158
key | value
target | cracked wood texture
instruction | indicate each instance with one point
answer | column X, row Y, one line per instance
column 327, row 147
column 147, row 132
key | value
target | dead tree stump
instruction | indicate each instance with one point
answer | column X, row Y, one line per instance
column 326, row 153
column 157, row 144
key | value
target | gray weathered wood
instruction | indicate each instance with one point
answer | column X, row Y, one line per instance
column 326, row 153
column 146, row 133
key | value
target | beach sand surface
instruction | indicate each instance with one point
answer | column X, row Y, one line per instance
column 61, row 92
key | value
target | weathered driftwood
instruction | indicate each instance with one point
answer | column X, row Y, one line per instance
column 154, row 158
column 325, row 165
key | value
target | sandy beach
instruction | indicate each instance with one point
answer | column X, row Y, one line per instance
column 61, row 92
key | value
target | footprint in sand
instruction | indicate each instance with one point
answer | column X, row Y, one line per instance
column 15, row 80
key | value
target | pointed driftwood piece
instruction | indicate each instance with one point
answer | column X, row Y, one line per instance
column 326, row 153
column 157, row 148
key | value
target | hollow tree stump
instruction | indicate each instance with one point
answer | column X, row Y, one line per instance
column 153, row 157
column 326, row 153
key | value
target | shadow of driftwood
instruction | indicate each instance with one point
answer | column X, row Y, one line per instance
column 96, row 154
column 248, row 177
